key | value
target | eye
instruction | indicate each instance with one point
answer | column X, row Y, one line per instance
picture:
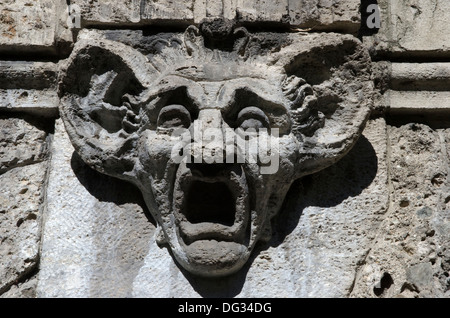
column 252, row 117
column 174, row 116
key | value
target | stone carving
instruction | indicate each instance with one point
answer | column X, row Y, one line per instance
column 124, row 94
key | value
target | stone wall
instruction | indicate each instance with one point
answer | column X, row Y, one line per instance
column 375, row 224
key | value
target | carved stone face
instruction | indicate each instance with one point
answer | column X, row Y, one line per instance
column 212, row 214
column 123, row 110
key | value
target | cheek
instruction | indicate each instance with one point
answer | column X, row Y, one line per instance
column 288, row 153
column 155, row 151
column 281, row 168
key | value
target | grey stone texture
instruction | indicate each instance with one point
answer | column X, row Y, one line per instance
column 411, row 247
column 21, row 143
column 20, row 216
column 325, row 14
column 109, row 12
column 373, row 224
column 317, row 14
column 29, row 87
column 33, row 26
column 26, row 289
column 83, row 211
column 412, row 88
column 319, row 242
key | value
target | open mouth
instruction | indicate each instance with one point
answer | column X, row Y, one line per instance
column 211, row 203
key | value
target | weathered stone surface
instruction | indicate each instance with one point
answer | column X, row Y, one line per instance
column 20, row 218
column 32, row 26
column 419, row 88
column 320, row 239
column 34, row 102
column 410, row 256
column 21, row 143
column 263, row 10
column 418, row 102
column 376, row 224
column 316, row 14
column 412, row 28
column 169, row 11
column 29, row 87
column 381, row 77
column 412, row 88
column 23, row 150
column 420, row 76
column 109, row 11
column 96, row 233
column 27, row 23
column 28, row 75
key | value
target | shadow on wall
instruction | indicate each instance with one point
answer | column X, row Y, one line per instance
column 108, row 189
column 328, row 188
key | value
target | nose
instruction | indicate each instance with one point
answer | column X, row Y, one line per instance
column 210, row 119
column 208, row 145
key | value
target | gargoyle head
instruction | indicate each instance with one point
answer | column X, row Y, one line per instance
column 176, row 118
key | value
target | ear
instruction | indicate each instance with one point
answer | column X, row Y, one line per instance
column 329, row 87
column 100, row 87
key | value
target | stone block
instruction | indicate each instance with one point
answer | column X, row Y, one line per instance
column 409, row 253
column 134, row 12
column 35, row 102
column 96, row 232
column 419, row 102
column 412, row 28
column 168, row 11
column 27, row 75
column 325, row 14
column 263, row 11
column 29, row 87
column 420, row 76
column 21, row 143
column 317, row 14
column 32, row 26
column 108, row 12
column 412, row 88
column 20, row 216
column 319, row 239
column 418, row 88
column 23, row 150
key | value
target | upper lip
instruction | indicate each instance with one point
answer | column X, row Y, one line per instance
column 231, row 177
